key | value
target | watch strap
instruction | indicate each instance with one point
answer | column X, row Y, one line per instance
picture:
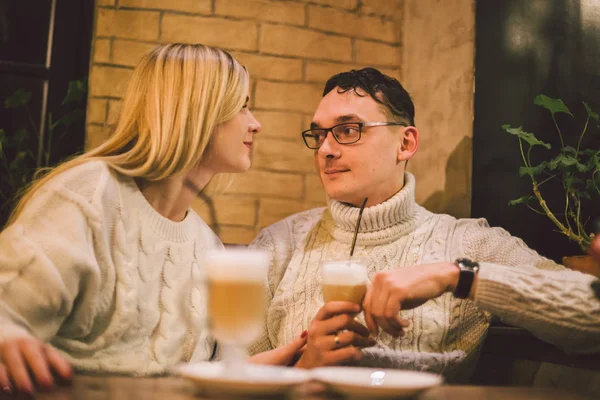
column 468, row 270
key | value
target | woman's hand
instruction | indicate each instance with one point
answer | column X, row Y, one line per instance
column 284, row 355
column 335, row 336
column 402, row 289
column 26, row 361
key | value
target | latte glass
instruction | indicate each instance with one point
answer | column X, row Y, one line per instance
column 235, row 281
column 344, row 280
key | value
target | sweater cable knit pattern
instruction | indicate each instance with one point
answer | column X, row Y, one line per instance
column 92, row 268
column 445, row 333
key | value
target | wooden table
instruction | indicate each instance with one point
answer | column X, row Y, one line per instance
column 172, row 388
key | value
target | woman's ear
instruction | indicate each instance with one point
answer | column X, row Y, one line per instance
column 409, row 143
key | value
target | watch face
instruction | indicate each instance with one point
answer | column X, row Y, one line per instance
column 465, row 262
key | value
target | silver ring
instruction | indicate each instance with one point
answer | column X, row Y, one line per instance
column 336, row 339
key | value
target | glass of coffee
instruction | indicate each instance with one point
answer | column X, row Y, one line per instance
column 344, row 280
column 235, row 280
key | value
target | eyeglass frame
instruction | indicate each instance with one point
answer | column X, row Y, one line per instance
column 360, row 124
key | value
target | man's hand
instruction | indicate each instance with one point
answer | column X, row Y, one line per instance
column 284, row 355
column 335, row 336
column 25, row 360
column 403, row 289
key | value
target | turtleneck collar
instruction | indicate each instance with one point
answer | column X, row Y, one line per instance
column 381, row 223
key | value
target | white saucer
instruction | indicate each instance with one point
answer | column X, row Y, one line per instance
column 254, row 380
column 371, row 382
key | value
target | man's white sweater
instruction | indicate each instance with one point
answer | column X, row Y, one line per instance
column 514, row 283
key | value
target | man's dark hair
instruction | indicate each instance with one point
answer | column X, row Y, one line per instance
column 382, row 88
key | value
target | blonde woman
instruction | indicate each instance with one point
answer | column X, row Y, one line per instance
column 96, row 253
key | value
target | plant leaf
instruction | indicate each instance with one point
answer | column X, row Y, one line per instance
column 69, row 118
column 592, row 186
column 553, row 105
column 533, row 171
column 571, row 181
column 584, row 195
column 581, row 167
column 526, row 136
column 590, row 152
column 18, row 161
column 590, row 113
column 75, row 93
column 563, row 160
column 20, row 136
column 18, row 99
column 521, row 200
column 570, row 150
column 593, row 162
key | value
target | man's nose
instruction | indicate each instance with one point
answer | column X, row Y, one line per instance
column 330, row 147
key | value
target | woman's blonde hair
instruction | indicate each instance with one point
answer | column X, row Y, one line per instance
column 177, row 95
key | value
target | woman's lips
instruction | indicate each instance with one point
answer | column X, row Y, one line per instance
column 248, row 144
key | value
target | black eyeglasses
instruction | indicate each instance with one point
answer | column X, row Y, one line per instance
column 346, row 133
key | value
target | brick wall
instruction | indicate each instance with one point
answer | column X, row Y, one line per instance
column 290, row 47
column 438, row 50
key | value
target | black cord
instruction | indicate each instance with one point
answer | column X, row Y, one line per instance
column 357, row 226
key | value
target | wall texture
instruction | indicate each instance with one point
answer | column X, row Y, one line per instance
column 291, row 47
column 438, row 70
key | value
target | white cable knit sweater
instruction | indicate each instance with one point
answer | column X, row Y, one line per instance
column 92, row 268
column 515, row 283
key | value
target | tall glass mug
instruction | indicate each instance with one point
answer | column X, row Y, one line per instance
column 344, row 280
column 235, row 280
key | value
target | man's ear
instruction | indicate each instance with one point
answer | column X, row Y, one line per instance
column 409, row 143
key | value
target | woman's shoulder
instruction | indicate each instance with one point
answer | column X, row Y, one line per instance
column 202, row 232
column 82, row 177
column 69, row 191
column 89, row 184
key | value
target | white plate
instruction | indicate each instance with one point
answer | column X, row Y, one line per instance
column 371, row 382
column 254, row 380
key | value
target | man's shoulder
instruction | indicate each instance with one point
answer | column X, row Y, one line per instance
column 296, row 222
column 460, row 228
column 442, row 218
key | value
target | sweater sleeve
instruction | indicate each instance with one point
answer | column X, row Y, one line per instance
column 264, row 241
column 527, row 290
column 46, row 263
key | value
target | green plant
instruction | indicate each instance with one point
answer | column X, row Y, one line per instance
column 576, row 168
column 29, row 147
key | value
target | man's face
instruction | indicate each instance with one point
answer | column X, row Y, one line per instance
column 373, row 167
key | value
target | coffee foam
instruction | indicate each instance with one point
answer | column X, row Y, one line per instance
column 236, row 265
column 343, row 273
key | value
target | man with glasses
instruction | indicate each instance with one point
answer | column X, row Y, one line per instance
column 434, row 279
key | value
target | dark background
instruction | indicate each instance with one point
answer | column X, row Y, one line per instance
column 526, row 48
column 44, row 44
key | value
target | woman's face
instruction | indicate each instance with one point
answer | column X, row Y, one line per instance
column 230, row 147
